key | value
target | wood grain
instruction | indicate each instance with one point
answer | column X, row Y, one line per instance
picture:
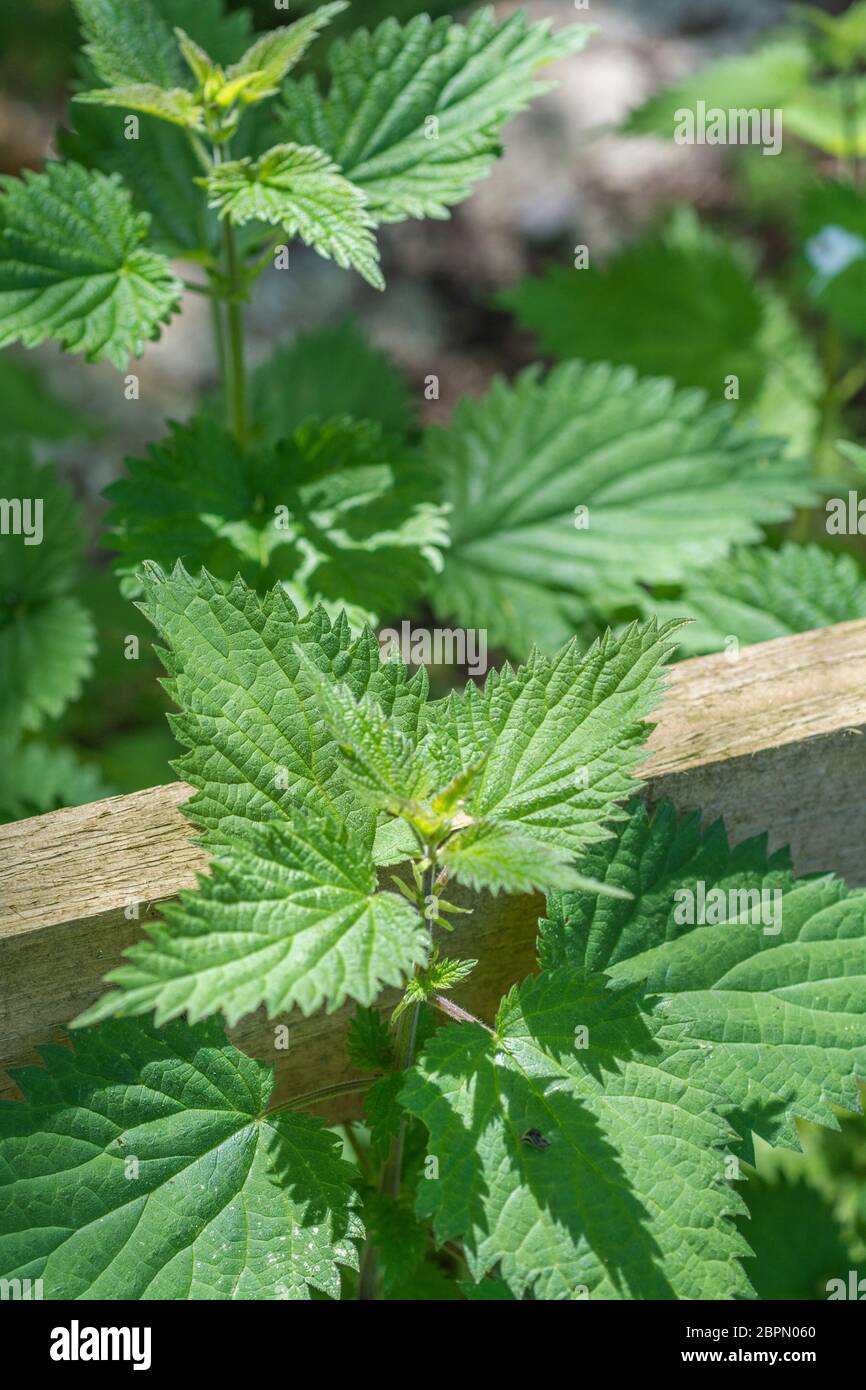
column 773, row 741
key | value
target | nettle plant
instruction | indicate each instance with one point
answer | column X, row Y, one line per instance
column 586, row 1140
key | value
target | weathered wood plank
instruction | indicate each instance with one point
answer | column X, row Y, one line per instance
column 772, row 741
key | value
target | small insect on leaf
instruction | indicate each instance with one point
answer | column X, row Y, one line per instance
column 535, row 1138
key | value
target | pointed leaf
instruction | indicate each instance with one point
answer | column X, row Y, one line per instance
column 700, row 318
column 565, row 491
column 129, row 44
column 160, row 167
column 175, row 104
column 413, row 112
column 47, row 639
column 298, row 188
column 495, row 856
column 381, row 761
column 290, row 916
column 326, row 512
column 251, row 709
column 561, row 739
column 273, row 55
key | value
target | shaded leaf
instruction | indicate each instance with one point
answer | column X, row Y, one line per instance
column 765, row 975
column 625, row 1198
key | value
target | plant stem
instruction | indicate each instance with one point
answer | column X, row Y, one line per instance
column 232, row 353
column 454, row 1011
column 216, row 313
column 362, row 1157
column 266, row 256
column 406, row 1034
column 339, row 1088
column 236, row 370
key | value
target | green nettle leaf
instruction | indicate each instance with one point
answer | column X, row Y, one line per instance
column 769, row 77
column 704, row 319
column 401, row 1240
column 73, row 267
column 47, row 639
column 145, row 1165
column 175, row 104
column 331, row 371
column 46, row 654
column 560, row 739
column 383, row 1113
column 251, row 704
column 653, row 857
column 160, row 167
column 38, row 778
column 813, row 1251
column 286, row 719
column 699, row 319
column 764, row 971
column 334, row 512
column 567, row 490
column 290, row 916
column 259, row 73
column 200, row 63
column 28, row 406
column 441, row 975
column 832, row 230
column 759, row 594
column 386, row 766
column 298, row 188
column 569, row 1152
column 413, row 112
column 369, row 1042
column 129, row 44
column 488, row 854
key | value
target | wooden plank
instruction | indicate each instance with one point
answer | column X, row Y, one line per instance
column 773, row 741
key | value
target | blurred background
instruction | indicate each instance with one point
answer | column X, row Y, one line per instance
column 698, row 253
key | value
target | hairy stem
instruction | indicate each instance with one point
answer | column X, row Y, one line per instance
column 406, row 1034
column 339, row 1088
column 454, row 1011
